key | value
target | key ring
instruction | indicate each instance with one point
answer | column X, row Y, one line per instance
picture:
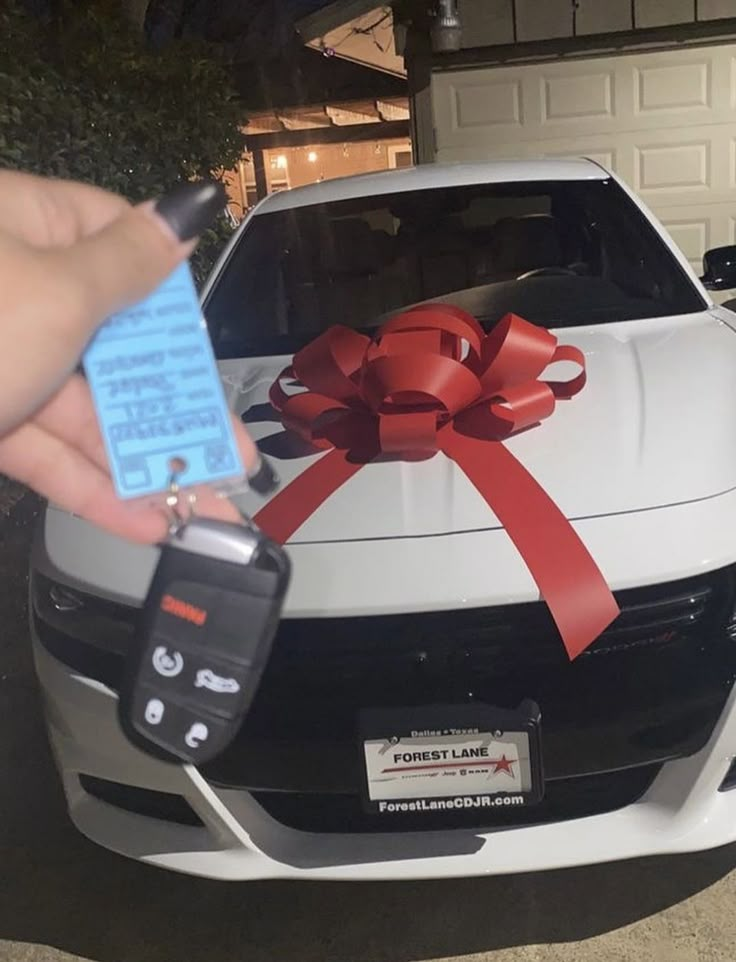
column 177, row 519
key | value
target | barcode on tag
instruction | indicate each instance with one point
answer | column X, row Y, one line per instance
column 158, row 395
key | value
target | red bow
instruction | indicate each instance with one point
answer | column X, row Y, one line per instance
column 430, row 381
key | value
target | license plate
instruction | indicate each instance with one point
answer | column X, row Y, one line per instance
column 449, row 758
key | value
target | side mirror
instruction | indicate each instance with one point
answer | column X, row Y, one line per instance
column 719, row 268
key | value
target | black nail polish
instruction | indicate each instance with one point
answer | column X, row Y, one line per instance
column 190, row 208
column 265, row 480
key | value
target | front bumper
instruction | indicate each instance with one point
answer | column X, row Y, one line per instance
column 683, row 810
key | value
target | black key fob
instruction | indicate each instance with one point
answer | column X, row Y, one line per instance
column 203, row 640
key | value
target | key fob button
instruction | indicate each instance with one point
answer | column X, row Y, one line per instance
column 193, row 734
column 154, row 711
column 166, row 665
column 184, row 609
column 167, row 661
column 203, row 737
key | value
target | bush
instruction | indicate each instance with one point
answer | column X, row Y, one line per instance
column 85, row 98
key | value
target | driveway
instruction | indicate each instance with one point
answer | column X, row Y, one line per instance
column 63, row 898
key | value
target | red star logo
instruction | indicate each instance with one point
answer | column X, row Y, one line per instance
column 504, row 764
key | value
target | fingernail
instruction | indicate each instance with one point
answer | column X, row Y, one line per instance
column 190, row 208
column 264, row 480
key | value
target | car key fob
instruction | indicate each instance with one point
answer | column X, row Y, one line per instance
column 204, row 639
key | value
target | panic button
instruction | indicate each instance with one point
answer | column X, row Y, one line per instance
column 184, row 611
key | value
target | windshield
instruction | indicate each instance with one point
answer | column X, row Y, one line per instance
column 561, row 254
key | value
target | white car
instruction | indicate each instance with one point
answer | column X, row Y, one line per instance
column 411, row 615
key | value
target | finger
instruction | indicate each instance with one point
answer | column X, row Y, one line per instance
column 46, row 212
column 54, row 301
column 70, row 416
column 62, row 474
column 125, row 260
column 116, row 266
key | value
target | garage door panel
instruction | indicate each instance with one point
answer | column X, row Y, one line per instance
column 678, row 166
column 589, row 96
column 690, row 164
column 487, row 105
column 674, row 87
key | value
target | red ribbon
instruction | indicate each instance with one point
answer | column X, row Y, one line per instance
column 430, row 381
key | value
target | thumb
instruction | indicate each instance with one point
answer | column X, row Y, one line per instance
column 124, row 261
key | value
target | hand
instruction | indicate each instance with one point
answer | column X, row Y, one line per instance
column 71, row 255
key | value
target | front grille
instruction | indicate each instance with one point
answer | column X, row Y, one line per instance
column 564, row 799
column 649, row 690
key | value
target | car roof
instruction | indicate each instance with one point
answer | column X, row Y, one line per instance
column 427, row 176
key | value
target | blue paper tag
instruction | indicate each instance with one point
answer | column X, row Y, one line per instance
column 158, row 394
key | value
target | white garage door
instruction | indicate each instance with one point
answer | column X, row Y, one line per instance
column 665, row 122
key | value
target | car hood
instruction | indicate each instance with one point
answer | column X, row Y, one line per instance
column 654, row 426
